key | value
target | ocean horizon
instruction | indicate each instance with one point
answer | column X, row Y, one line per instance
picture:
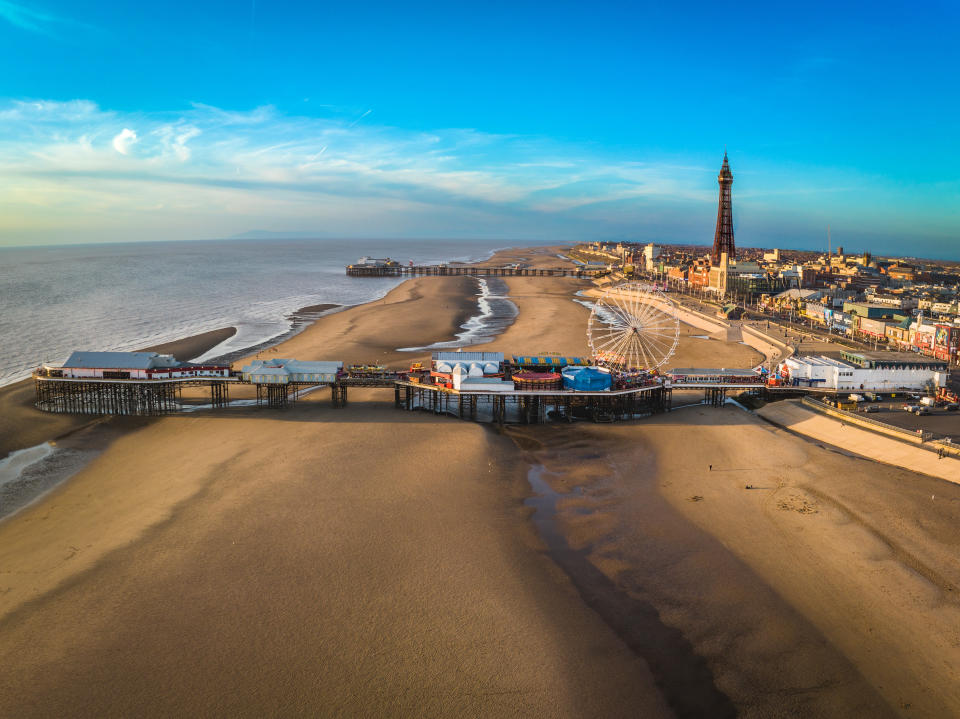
column 125, row 296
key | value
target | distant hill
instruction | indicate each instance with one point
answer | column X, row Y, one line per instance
column 269, row 235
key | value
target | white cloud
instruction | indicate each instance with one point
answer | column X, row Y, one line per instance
column 124, row 141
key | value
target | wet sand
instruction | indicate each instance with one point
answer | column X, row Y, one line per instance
column 365, row 561
column 187, row 348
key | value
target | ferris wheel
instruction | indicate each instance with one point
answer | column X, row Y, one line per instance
column 633, row 326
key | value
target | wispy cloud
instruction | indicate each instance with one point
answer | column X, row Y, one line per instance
column 29, row 18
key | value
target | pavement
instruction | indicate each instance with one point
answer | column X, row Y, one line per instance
column 792, row 415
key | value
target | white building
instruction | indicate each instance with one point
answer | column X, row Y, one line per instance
column 650, row 254
column 285, row 371
column 476, row 364
column 465, row 381
column 875, row 371
column 899, row 302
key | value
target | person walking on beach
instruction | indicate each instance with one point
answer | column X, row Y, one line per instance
column 710, row 468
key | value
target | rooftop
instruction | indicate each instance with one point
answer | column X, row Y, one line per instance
column 285, row 366
column 468, row 356
column 118, row 360
column 888, row 358
column 818, row 361
column 799, row 294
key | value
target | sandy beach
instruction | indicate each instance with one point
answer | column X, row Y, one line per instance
column 368, row 562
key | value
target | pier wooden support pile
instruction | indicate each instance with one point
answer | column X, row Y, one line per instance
column 338, row 393
column 499, row 409
column 273, row 395
column 467, row 406
column 83, row 397
column 532, row 410
column 715, row 396
column 219, row 394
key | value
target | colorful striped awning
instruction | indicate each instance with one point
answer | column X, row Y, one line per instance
column 548, row 361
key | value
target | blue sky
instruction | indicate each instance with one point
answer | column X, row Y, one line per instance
column 183, row 120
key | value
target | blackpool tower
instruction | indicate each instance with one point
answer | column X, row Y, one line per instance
column 723, row 239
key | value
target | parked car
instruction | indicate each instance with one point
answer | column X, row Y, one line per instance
column 911, row 407
column 952, row 407
column 921, row 410
column 871, row 408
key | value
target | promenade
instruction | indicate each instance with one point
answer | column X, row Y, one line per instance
column 792, row 415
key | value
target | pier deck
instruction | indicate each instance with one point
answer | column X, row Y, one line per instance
column 163, row 396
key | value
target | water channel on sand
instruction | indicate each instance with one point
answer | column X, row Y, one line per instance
column 681, row 674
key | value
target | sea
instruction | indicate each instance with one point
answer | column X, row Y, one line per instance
column 126, row 296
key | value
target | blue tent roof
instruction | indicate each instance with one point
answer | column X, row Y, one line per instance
column 586, row 379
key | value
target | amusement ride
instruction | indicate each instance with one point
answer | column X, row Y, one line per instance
column 633, row 326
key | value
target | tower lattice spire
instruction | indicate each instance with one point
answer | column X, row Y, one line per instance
column 723, row 238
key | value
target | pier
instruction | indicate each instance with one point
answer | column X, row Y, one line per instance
column 397, row 270
column 474, row 385
column 412, row 391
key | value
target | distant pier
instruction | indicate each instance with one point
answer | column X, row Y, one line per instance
column 397, row 270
